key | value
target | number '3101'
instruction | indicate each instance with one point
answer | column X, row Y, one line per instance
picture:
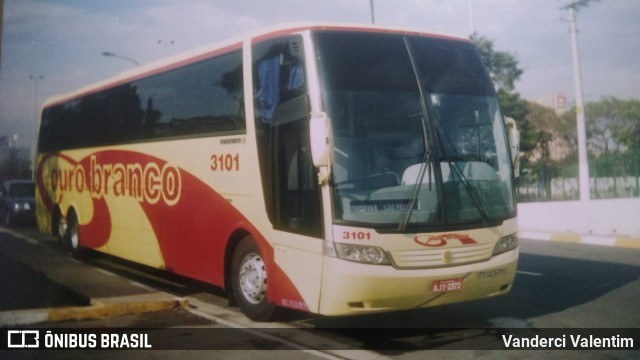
column 356, row 235
column 225, row 162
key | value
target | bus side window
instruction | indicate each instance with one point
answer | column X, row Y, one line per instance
column 280, row 83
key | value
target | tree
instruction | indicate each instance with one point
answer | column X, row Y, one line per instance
column 620, row 117
column 551, row 138
column 613, row 135
column 502, row 66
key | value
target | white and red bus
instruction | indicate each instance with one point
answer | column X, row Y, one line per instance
column 333, row 169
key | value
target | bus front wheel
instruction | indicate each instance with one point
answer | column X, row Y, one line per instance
column 249, row 281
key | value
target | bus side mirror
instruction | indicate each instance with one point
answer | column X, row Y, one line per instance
column 513, row 136
column 319, row 137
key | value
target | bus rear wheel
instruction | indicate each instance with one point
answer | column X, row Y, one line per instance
column 71, row 237
column 249, row 281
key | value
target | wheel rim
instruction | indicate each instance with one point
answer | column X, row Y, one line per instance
column 253, row 278
column 61, row 228
column 73, row 235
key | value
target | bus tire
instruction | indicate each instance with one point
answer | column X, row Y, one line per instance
column 71, row 238
column 249, row 281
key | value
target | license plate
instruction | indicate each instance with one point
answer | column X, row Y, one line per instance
column 441, row 286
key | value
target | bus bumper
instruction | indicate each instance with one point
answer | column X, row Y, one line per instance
column 351, row 288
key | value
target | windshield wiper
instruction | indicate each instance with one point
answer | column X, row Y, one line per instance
column 473, row 194
column 452, row 160
column 426, row 159
column 426, row 163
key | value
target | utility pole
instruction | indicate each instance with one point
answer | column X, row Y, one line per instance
column 583, row 161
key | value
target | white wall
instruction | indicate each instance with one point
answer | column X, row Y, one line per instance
column 620, row 217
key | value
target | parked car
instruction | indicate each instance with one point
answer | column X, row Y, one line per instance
column 17, row 201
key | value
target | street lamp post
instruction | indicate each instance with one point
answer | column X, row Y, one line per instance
column 36, row 79
column 111, row 54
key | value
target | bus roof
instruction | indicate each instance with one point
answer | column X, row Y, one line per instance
column 212, row 49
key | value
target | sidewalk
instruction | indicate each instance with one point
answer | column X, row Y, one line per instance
column 106, row 294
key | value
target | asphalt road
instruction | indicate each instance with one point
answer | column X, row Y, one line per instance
column 39, row 293
column 559, row 285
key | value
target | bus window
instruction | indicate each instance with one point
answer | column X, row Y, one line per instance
column 197, row 100
column 282, row 115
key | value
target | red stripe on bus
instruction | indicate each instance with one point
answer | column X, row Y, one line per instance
column 192, row 232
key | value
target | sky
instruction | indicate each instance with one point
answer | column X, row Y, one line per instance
column 52, row 47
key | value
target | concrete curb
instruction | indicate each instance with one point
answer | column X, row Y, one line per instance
column 569, row 237
column 99, row 308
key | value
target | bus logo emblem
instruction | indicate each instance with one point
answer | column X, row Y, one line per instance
column 447, row 257
column 442, row 240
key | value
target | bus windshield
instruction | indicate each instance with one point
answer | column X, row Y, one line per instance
column 418, row 137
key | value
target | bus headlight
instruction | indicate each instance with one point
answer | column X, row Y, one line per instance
column 506, row 243
column 358, row 253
